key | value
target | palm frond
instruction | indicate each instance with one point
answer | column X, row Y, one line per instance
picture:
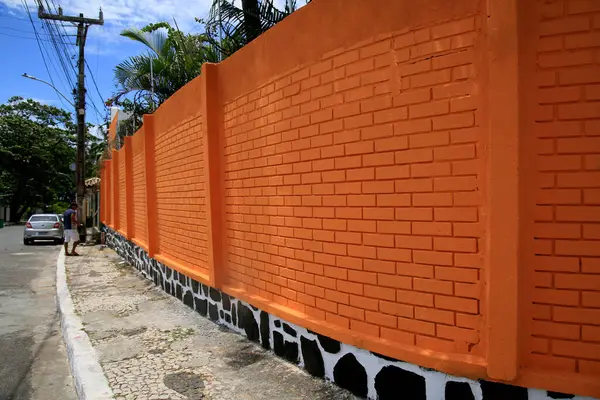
column 154, row 40
column 233, row 21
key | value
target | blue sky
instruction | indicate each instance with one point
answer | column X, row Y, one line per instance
column 104, row 48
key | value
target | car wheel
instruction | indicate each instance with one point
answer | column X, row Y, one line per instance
column 26, row 242
column 59, row 241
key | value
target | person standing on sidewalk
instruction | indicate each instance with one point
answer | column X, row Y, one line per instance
column 71, row 234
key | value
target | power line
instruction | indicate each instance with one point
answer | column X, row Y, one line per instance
column 60, row 76
column 69, row 82
column 64, row 60
column 91, row 102
column 57, row 23
column 63, row 57
column 94, row 81
column 41, row 52
column 21, row 30
column 23, row 37
column 62, row 53
column 98, row 113
column 12, row 17
column 54, row 67
column 57, row 72
column 82, row 28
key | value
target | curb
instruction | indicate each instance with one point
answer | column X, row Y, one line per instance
column 90, row 382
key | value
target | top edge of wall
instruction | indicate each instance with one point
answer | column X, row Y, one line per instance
column 180, row 107
column 322, row 27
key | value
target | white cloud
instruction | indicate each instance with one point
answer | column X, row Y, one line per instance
column 121, row 14
column 44, row 101
column 97, row 130
column 126, row 13
column 41, row 101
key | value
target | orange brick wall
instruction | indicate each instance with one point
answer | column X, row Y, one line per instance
column 565, row 284
column 180, row 193
column 103, row 191
column 108, row 198
column 424, row 183
column 139, row 187
column 122, row 192
column 352, row 189
column 112, row 210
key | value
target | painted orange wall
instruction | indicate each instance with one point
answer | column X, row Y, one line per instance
column 562, row 198
column 122, row 204
column 417, row 179
column 139, row 190
column 180, row 187
column 112, row 132
column 355, row 199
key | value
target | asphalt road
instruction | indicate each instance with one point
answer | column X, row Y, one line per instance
column 33, row 360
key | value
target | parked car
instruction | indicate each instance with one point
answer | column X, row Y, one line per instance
column 43, row 227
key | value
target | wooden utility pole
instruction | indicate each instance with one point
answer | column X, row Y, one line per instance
column 82, row 27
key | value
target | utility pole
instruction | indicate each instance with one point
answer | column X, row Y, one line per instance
column 82, row 27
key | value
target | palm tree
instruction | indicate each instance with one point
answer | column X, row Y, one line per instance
column 229, row 28
column 94, row 150
column 172, row 60
column 146, row 80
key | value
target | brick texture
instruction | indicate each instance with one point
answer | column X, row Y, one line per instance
column 181, row 194
column 352, row 189
column 567, row 222
column 122, row 192
column 111, row 194
column 139, row 187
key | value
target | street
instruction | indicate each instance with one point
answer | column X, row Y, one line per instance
column 33, row 360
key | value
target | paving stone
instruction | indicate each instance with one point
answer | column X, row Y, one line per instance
column 144, row 336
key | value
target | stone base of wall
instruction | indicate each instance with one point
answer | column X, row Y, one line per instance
column 362, row 372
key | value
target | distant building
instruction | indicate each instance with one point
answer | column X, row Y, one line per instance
column 91, row 202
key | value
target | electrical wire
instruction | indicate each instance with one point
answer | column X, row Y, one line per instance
column 91, row 102
column 70, row 53
column 41, row 52
column 59, row 46
column 94, row 81
column 63, row 60
column 23, row 37
column 13, row 17
column 64, row 54
column 19, row 30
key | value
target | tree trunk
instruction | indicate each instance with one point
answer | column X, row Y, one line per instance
column 251, row 19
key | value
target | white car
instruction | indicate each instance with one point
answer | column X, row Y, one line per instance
column 43, row 227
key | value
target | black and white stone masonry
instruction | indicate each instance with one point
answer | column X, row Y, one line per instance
column 362, row 372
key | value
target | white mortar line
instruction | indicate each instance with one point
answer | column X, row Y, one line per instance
column 90, row 382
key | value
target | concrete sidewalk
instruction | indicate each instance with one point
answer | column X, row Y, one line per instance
column 151, row 346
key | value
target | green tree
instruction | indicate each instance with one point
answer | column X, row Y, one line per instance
column 173, row 58
column 176, row 58
column 94, row 149
column 37, row 147
column 229, row 28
